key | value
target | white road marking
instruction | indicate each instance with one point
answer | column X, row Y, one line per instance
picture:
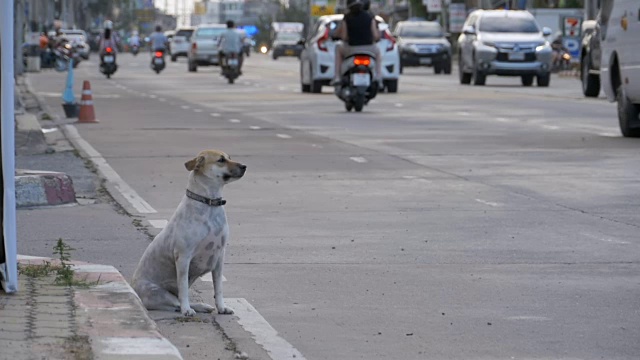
column 158, row 224
column 255, row 127
column 153, row 96
column 235, row 121
column 528, row 318
column 197, row 110
column 208, row 278
column 358, row 159
column 463, row 113
column 399, row 105
column 162, row 99
column 283, row 136
column 107, row 171
column 185, row 107
column 550, row 127
column 214, row 114
column 494, row 204
column 609, row 134
column 500, row 119
column 265, row 335
column 606, row 239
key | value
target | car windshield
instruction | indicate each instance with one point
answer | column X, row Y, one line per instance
column 209, row 32
column 185, row 33
column 508, row 25
column 423, row 31
column 288, row 36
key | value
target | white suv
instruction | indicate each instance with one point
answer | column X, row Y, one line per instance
column 620, row 62
column 318, row 57
column 180, row 43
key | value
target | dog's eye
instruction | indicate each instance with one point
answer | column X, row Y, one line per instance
column 221, row 160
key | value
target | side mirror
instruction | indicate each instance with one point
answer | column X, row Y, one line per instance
column 546, row 31
column 469, row 30
column 301, row 42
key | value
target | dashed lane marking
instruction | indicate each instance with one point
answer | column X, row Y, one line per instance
column 283, row 136
column 197, row 110
column 358, row 159
column 185, row 107
column 235, row 121
column 255, row 127
column 490, row 203
column 215, row 114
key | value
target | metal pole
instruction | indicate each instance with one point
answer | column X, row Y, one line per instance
column 10, row 267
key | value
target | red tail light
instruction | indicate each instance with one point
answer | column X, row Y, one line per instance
column 158, row 53
column 392, row 40
column 109, row 50
column 321, row 42
column 362, row 60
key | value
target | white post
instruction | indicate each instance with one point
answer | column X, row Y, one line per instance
column 10, row 268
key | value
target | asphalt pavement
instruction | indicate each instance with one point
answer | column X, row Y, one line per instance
column 442, row 222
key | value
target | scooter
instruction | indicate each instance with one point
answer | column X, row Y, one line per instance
column 231, row 67
column 563, row 61
column 135, row 49
column 357, row 87
column 108, row 64
column 62, row 54
column 157, row 61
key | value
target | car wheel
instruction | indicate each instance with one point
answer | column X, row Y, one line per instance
column 391, row 85
column 446, row 67
column 274, row 57
column 316, row 86
column 627, row 115
column 401, row 69
column 437, row 68
column 527, row 80
column 544, row 79
column 590, row 82
column 174, row 58
column 305, row 88
column 465, row 78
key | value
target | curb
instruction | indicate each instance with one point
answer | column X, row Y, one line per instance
column 113, row 316
column 38, row 188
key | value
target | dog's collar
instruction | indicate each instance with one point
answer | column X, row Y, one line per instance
column 206, row 200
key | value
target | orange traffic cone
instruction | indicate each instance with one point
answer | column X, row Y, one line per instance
column 87, row 115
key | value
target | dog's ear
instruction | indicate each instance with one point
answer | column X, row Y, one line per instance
column 195, row 163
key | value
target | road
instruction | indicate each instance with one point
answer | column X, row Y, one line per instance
column 443, row 222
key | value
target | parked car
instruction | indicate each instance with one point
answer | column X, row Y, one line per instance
column 78, row 38
column 287, row 43
column 423, row 43
column 620, row 62
column 180, row 44
column 505, row 43
column 590, row 54
column 204, row 46
column 317, row 60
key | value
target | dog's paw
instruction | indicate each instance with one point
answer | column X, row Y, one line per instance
column 202, row 308
column 188, row 312
column 225, row 311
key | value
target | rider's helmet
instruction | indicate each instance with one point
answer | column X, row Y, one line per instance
column 158, row 28
column 230, row 24
column 355, row 5
column 108, row 24
column 366, row 5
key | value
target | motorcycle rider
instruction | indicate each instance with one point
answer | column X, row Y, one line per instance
column 557, row 48
column 134, row 40
column 107, row 40
column 359, row 32
column 231, row 42
column 158, row 40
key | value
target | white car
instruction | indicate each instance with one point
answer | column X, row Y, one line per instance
column 204, row 46
column 180, row 43
column 620, row 62
column 318, row 57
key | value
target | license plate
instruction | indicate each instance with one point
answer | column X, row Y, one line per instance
column 289, row 52
column 360, row 79
column 158, row 61
column 516, row 56
column 233, row 62
column 108, row 59
column 425, row 61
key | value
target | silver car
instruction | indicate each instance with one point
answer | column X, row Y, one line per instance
column 505, row 43
column 204, row 46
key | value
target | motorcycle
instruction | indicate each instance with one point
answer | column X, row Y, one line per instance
column 135, row 49
column 108, row 64
column 157, row 61
column 62, row 54
column 231, row 67
column 562, row 62
column 357, row 87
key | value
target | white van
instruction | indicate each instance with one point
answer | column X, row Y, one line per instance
column 620, row 63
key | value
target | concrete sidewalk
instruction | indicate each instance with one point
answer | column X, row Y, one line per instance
column 62, row 197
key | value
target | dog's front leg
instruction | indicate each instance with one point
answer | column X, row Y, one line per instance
column 182, row 270
column 216, row 275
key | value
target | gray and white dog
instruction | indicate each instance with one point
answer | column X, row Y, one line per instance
column 193, row 242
